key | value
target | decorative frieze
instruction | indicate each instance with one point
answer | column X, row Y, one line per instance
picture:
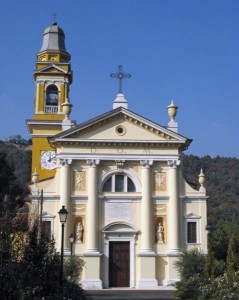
column 160, row 183
column 79, row 180
column 78, row 209
column 160, row 209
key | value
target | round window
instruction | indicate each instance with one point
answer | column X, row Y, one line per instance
column 120, row 130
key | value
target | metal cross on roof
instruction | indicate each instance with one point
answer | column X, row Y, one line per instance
column 120, row 75
column 54, row 17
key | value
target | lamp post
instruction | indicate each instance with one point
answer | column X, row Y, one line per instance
column 71, row 238
column 63, row 216
column 35, row 192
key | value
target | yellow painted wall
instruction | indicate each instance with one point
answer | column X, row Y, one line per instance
column 39, row 145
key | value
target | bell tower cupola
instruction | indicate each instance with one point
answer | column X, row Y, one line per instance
column 53, row 45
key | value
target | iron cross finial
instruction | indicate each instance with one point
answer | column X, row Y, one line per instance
column 54, row 17
column 120, row 75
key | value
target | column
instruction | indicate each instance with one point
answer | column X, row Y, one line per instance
column 146, row 208
column 92, row 224
column 147, row 268
column 91, row 276
column 65, row 199
column 173, row 209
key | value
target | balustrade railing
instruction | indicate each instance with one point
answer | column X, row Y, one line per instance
column 51, row 109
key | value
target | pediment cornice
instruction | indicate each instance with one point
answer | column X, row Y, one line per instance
column 51, row 68
column 157, row 135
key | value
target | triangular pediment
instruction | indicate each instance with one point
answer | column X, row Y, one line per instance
column 52, row 69
column 120, row 126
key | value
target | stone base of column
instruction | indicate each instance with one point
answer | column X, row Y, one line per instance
column 91, row 284
column 147, row 278
column 146, row 283
column 172, row 274
column 92, row 252
column 91, row 273
column 169, row 282
column 66, row 252
column 174, row 252
column 146, row 252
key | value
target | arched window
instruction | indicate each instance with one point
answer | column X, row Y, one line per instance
column 119, row 183
column 52, row 99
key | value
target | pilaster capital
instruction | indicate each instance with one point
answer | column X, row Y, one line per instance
column 39, row 81
column 65, row 162
column 93, row 162
column 174, row 163
column 146, row 163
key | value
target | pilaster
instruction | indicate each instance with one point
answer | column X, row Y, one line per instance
column 173, row 210
column 65, row 198
column 146, row 208
column 92, row 223
column 147, row 257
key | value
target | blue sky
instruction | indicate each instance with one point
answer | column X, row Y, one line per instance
column 183, row 50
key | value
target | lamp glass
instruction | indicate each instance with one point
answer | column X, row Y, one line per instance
column 71, row 238
column 63, row 214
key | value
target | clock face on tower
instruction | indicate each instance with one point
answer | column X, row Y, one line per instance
column 48, row 160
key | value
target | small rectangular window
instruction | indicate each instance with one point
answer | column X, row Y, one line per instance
column 192, row 232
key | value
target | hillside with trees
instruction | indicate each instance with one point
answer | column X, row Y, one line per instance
column 222, row 184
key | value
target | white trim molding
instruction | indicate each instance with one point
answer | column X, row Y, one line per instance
column 119, row 232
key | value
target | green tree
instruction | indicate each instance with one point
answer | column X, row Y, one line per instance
column 210, row 261
column 232, row 254
column 11, row 194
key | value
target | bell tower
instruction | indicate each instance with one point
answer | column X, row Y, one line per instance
column 53, row 77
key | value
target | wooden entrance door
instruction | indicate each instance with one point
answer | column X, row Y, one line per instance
column 119, row 264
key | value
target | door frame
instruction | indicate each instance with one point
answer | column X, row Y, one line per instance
column 119, row 232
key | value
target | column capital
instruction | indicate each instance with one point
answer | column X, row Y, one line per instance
column 40, row 81
column 65, row 162
column 146, row 163
column 174, row 163
column 93, row 162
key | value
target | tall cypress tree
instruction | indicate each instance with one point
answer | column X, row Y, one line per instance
column 232, row 254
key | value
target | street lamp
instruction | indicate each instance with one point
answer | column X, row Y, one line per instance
column 63, row 216
column 71, row 238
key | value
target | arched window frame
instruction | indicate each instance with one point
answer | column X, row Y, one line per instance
column 113, row 173
column 52, row 108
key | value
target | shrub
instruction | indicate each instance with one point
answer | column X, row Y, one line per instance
column 190, row 263
column 223, row 287
column 190, row 266
column 73, row 266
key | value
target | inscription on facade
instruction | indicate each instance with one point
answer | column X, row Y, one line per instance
column 118, row 211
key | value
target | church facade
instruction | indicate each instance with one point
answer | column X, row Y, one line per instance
column 130, row 211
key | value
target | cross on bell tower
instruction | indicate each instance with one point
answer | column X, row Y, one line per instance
column 120, row 76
